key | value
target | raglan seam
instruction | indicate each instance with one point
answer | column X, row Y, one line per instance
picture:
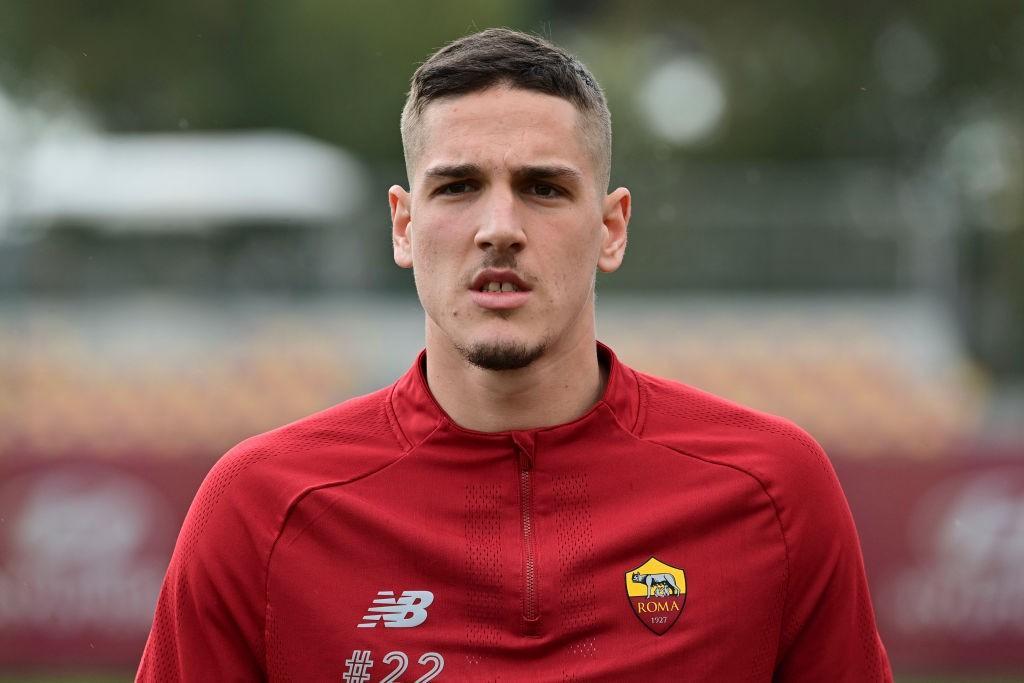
column 290, row 508
column 810, row 446
column 760, row 479
column 818, row 455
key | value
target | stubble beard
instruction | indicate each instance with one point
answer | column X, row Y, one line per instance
column 504, row 355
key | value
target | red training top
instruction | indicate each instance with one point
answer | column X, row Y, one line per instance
column 666, row 535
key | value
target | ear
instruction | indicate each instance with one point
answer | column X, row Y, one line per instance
column 401, row 221
column 616, row 208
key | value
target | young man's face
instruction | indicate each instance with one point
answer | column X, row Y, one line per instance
column 505, row 190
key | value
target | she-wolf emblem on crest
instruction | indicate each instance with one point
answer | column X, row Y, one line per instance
column 656, row 593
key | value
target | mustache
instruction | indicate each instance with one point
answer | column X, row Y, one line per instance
column 503, row 260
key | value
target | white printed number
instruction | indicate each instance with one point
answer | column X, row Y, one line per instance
column 403, row 664
column 361, row 661
column 431, row 658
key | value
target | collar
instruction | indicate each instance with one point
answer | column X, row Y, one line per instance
column 417, row 413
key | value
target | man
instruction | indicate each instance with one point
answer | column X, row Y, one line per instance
column 520, row 506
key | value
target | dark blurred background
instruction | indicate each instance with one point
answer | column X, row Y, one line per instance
column 194, row 247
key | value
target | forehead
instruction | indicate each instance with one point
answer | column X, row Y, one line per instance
column 503, row 127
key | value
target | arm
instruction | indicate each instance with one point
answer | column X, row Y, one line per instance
column 209, row 617
column 828, row 624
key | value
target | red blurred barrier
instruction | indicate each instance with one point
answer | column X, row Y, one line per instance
column 84, row 545
column 943, row 542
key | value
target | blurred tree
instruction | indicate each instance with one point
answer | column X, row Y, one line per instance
column 811, row 80
column 336, row 70
column 803, row 79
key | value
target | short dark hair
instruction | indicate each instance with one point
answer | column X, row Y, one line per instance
column 501, row 56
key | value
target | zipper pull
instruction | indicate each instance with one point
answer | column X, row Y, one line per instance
column 523, row 443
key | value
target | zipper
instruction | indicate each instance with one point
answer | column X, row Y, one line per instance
column 531, row 614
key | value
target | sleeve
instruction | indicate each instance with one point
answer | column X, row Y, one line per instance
column 828, row 623
column 210, row 614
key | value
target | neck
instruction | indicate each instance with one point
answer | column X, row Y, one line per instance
column 558, row 387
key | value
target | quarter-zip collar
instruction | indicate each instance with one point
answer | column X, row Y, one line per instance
column 417, row 413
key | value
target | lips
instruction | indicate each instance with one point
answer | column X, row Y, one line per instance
column 499, row 290
column 485, row 279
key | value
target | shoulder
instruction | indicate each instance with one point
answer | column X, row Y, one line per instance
column 789, row 466
column 359, row 420
column 826, row 604
column 339, row 443
column 259, row 479
column 218, row 572
column 785, row 459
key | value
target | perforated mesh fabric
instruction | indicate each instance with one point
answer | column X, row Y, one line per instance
column 165, row 668
column 278, row 668
column 483, row 567
column 869, row 645
column 576, row 560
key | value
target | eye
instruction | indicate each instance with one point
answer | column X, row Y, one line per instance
column 544, row 190
column 461, row 187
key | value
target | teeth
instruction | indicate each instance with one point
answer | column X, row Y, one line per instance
column 499, row 287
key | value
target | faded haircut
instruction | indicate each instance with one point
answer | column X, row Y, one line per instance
column 501, row 56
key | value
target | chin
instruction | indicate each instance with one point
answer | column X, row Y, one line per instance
column 503, row 354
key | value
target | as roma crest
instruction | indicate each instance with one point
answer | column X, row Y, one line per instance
column 657, row 593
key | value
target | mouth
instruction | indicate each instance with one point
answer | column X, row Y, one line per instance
column 492, row 280
column 499, row 290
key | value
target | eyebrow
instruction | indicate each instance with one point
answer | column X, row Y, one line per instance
column 546, row 172
column 473, row 170
column 454, row 171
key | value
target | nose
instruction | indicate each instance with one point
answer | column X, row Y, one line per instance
column 500, row 228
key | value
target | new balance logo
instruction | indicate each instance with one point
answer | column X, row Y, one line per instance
column 405, row 611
